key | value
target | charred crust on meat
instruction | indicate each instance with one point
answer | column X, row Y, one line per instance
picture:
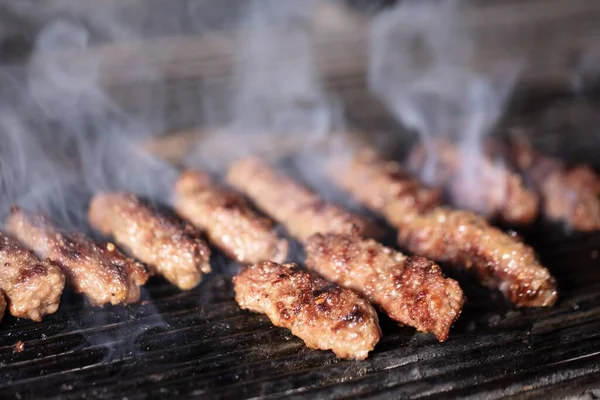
column 32, row 272
column 328, row 289
column 356, row 315
column 422, row 264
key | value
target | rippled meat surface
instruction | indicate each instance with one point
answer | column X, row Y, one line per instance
column 476, row 181
column 411, row 290
column 569, row 194
column 32, row 287
column 167, row 246
column 324, row 315
column 301, row 211
column 99, row 271
column 466, row 240
column 228, row 219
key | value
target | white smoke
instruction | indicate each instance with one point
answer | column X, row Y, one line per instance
column 67, row 137
column 278, row 92
column 425, row 64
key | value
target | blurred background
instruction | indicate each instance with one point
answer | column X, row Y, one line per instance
column 191, row 79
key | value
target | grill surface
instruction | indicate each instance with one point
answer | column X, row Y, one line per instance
column 201, row 343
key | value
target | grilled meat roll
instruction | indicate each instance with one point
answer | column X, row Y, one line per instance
column 101, row 272
column 489, row 187
column 467, row 240
column 324, row 315
column 569, row 194
column 168, row 247
column 32, row 287
column 411, row 290
column 228, row 220
column 301, row 211
column 384, row 187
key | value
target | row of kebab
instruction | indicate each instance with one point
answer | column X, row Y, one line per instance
column 330, row 303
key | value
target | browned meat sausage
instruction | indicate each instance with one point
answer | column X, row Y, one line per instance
column 384, row 186
column 324, row 315
column 569, row 194
column 301, row 211
column 168, row 247
column 228, row 220
column 445, row 235
column 490, row 188
column 411, row 290
column 101, row 272
column 32, row 286
column 466, row 240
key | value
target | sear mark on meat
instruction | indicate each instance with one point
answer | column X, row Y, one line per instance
column 324, row 315
column 2, row 305
column 384, row 186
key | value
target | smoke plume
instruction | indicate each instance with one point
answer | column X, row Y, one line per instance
column 426, row 65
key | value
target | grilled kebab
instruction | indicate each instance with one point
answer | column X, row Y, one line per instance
column 324, row 315
column 301, row 211
column 169, row 247
column 489, row 187
column 411, row 290
column 32, row 286
column 569, row 194
column 228, row 219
